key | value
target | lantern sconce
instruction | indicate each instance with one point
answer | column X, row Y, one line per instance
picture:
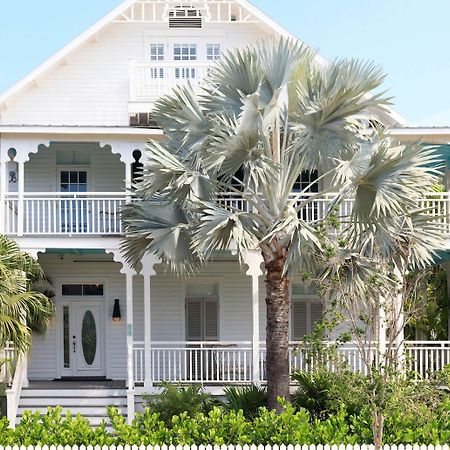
column 116, row 315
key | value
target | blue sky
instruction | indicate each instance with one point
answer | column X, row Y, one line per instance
column 409, row 39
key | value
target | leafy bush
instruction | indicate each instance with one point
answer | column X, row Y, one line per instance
column 174, row 400
column 53, row 428
column 220, row 427
column 249, row 399
column 337, row 413
column 324, row 393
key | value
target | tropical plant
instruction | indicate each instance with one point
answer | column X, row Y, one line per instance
column 378, row 261
column 266, row 113
column 324, row 393
column 174, row 400
column 248, row 399
column 19, row 304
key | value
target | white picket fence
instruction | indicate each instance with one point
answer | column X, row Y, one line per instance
column 229, row 447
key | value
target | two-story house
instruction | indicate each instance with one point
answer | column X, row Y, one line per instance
column 72, row 135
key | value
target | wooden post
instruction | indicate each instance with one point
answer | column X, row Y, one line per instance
column 253, row 259
column 3, row 185
column 148, row 263
column 130, row 334
column 21, row 203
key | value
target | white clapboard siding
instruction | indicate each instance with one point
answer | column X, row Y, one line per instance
column 167, row 309
column 92, row 86
column 106, row 171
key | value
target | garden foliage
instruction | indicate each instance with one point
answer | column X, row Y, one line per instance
column 336, row 413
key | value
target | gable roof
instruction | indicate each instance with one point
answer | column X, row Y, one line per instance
column 91, row 32
column 102, row 24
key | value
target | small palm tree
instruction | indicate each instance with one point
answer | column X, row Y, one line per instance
column 19, row 304
column 266, row 114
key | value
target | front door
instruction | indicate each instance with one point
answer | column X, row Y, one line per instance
column 83, row 339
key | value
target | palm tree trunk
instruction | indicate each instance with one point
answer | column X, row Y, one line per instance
column 277, row 333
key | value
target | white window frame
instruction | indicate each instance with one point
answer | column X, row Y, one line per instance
column 213, row 56
column 74, row 168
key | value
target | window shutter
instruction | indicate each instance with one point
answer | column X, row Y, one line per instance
column 211, row 320
column 316, row 313
column 300, row 320
column 194, row 320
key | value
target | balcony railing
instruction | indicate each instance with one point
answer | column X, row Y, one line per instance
column 224, row 363
column 150, row 80
column 56, row 213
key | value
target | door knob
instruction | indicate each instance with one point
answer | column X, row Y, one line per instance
column 74, row 343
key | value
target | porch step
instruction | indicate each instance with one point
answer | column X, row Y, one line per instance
column 90, row 403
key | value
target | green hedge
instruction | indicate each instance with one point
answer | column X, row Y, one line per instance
column 227, row 427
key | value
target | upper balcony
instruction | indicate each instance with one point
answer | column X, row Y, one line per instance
column 149, row 80
column 98, row 213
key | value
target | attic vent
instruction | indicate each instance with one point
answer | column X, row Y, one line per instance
column 143, row 120
column 185, row 17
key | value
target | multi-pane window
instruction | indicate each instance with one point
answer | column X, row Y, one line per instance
column 156, row 52
column 212, row 52
column 307, row 179
column 82, row 289
column 73, row 181
column 185, row 52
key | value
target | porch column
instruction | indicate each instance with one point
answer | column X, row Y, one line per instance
column 21, row 192
column 3, row 184
column 130, row 332
column 253, row 259
column 129, row 273
column 148, row 263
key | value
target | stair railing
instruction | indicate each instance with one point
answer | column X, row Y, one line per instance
column 14, row 392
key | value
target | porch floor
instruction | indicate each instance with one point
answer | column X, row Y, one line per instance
column 76, row 384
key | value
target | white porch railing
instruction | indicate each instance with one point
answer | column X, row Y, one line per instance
column 231, row 362
column 425, row 357
column 56, row 213
column 150, row 80
column 437, row 204
column 98, row 213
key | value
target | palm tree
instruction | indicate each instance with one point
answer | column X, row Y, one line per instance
column 20, row 305
column 266, row 114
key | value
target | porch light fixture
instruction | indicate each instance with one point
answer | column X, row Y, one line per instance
column 116, row 316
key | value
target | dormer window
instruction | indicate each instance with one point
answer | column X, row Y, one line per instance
column 185, row 17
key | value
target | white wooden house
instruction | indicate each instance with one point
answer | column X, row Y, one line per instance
column 71, row 137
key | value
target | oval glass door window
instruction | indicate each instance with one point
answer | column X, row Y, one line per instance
column 89, row 337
